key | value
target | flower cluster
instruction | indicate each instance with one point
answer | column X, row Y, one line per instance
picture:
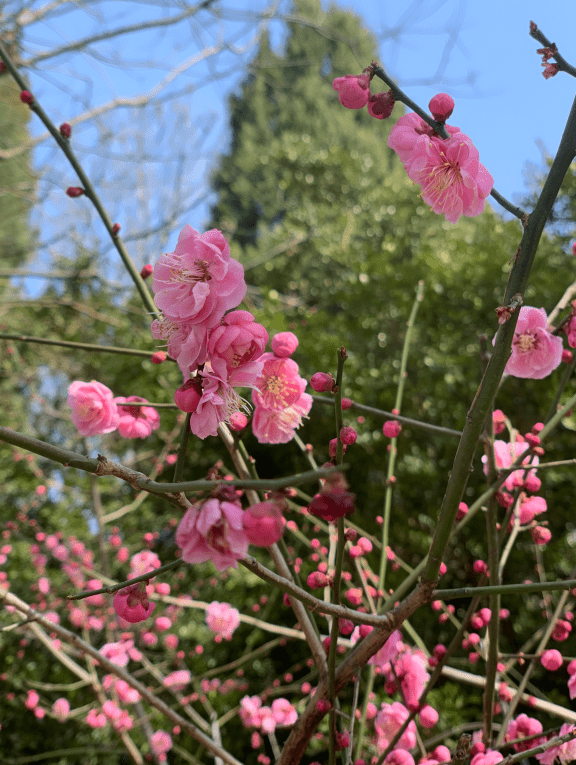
column 452, row 179
column 217, row 529
column 195, row 286
column 278, row 396
column 354, row 93
column 95, row 411
column 254, row 715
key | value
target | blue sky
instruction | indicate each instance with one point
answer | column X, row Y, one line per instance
column 480, row 53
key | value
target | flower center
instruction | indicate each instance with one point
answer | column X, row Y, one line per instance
column 526, row 342
column 445, row 175
column 200, row 273
column 216, row 536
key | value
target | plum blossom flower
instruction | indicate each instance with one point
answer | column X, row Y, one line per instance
column 132, row 604
column 277, row 426
column 284, row 344
column 177, row 680
column 524, row 727
column 199, row 281
column 142, row 563
column 94, row 411
column 284, row 712
column 222, row 619
column 388, row 720
column 160, row 743
column 453, row 180
column 61, row 709
column 564, row 752
column 551, row 659
column 505, row 454
column 136, row 421
column 489, row 757
column 353, row 90
column 535, row 351
column 238, row 339
column 279, row 385
column 212, row 530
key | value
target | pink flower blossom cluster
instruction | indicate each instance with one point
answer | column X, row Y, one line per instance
column 216, row 351
column 95, row 411
column 265, row 719
column 222, row 619
column 278, row 396
column 453, row 181
column 536, row 352
column 563, row 753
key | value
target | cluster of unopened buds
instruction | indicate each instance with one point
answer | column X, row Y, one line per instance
column 354, row 93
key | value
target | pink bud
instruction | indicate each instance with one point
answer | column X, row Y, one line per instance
column 237, row 421
column 65, row 130
column 284, row 344
column 566, row 356
column 462, row 511
column 480, row 567
column 381, row 105
column 323, row 706
column 321, row 382
column 428, row 716
column 353, row 91
column 188, row 395
column 26, row 97
column 391, row 428
column 346, row 404
column 146, row 271
column 316, row 580
column 348, row 435
column 552, row 660
column 158, row 357
column 365, row 630
column 540, row 535
column 345, row 626
column 441, row 107
column 75, row 191
column 116, row 228
column 263, row 523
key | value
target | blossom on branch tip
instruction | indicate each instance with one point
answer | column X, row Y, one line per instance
column 536, row 352
column 94, row 411
column 353, row 90
column 551, row 659
column 441, row 107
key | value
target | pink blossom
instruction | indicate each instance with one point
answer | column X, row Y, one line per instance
column 530, row 508
column 118, row 653
column 505, row 454
column 409, row 133
column 61, row 709
column 238, row 339
column 572, row 686
column 187, row 342
column 131, row 603
column 136, row 421
column 564, row 752
column 222, row 619
column 399, row 757
column 322, row 382
column 160, row 743
column 353, row 90
column 212, row 530
column 524, row 727
column 263, row 523
column 410, row 669
column 32, row 700
column 388, row 720
column 392, row 428
column 177, row 680
column 199, row 281
column 277, row 426
column 284, row 344
column 96, row 719
column 284, row 712
column 126, row 693
column 279, row 385
column 237, row 421
column 535, row 351
column 428, row 716
column 452, row 179
column 489, row 757
column 551, row 659
column 250, row 711
column 93, row 408
column 143, row 563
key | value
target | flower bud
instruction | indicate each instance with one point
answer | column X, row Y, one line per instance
column 146, row 271
column 159, row 357
column 74, row 191
column 346, row 404
column 353, row 90
column 116, row 228
column 552, row 660
column 188, row 395
column 322, row 382
column 348, row 435
column 391, row 428
column 263, row 523
column 441, row 107
column 381, row 105
column 284, row 344
column 237, row 421
column 65, row 130
column 26, row 97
